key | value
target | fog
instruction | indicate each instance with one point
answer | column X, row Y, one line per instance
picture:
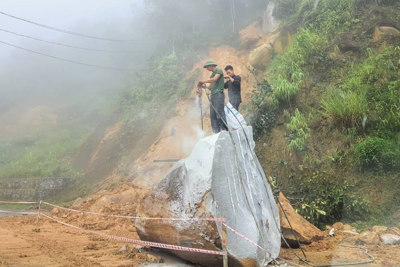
column 28, row 77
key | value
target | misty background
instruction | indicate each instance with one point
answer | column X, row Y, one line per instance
column 51, row 109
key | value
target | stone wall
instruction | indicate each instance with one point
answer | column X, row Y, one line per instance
column 32, row 189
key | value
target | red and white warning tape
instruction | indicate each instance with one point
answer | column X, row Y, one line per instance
column 11, row 202
column 248, row 240
column 139, row 242
column 133, row 217
column 16, row 212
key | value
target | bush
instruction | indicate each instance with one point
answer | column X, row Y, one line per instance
column 299, row 131
column 263, row 105
column 323, row 199
column 376, row 153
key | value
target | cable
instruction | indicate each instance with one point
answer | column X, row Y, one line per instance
column 67, row 60
column 70, row 46
column 64, row 31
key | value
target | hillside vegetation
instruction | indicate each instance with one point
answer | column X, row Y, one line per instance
column 332, row 101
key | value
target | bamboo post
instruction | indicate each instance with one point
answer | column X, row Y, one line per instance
column 224, row 245
column 38, row 217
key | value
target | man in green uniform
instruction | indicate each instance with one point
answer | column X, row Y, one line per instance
column 217, row 112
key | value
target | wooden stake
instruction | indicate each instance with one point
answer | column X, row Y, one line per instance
column 38, row 217
column 224, row 245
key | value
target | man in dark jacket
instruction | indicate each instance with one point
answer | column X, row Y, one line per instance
column 217, row 112
column 233, row 85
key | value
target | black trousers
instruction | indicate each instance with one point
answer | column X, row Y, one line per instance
column 217, row 113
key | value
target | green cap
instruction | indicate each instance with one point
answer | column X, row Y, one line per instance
column 209, row 63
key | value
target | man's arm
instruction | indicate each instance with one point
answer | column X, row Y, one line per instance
column 237, row 80
column 212, row 80
column 226, row 85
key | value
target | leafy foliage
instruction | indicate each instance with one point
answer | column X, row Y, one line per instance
column 299, row 131
column 327, row 200
column 264, row 115
column 377, row 153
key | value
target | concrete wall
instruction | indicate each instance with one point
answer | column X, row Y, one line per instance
column 32, row 189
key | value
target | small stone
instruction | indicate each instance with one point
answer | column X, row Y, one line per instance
column 390, row 239
column 55, row 211
column 378, row 229
column 338, row 226
column 122, row 250
column 152, row 259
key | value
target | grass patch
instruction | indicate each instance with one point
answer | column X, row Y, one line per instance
column 46, row 156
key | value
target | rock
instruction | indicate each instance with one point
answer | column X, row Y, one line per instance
column 368, row 237
column 382, row 32
column 78, row 202
column 338, row 226
column 251, row 35
column 390, row 239
column 378, row 229
column 305, row 231
column 55, row 211
column 260, row 57
column 208, row 184
column 123, row 249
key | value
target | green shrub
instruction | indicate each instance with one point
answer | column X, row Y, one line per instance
column 376, row 153
column 263, row 106
column 323, row 199
column 299, row 131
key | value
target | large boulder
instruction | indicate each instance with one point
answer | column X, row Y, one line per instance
column 221, row 178
column 305, row 231
column 260, row 57
column 251, row 35
column 390, row 239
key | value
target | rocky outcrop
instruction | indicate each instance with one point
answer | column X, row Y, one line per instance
column 251, row 35
column 305, row 231
column 382, row 32
column 219, row 179
column 260, row 57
